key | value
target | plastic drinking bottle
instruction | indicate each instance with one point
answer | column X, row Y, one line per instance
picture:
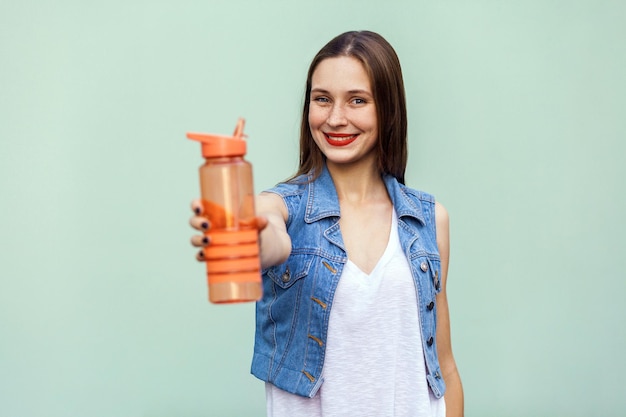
column 232, row 256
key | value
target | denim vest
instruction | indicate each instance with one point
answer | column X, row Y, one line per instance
column 292, row 317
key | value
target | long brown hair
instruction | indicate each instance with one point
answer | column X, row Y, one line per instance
column 383, row 67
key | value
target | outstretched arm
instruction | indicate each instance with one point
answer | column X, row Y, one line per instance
column 454, row 388
column 275, row 243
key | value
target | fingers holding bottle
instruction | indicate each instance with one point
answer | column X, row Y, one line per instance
column 200, row 241
column 199, row 222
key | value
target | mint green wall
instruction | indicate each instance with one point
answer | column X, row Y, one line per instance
column 516, row 124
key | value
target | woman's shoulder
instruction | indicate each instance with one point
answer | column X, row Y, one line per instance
column 421, row 195
column 293, row 187
column 420, row 203
column 417, row 195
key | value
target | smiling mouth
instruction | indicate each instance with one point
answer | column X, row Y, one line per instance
column 340, row 139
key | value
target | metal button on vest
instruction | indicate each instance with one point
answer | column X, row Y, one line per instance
column 286, row 276
column 430, row 305
column 430, row 341
column 424, row 266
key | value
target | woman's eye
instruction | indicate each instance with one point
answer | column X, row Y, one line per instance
column 358, row 101
column 321, row 99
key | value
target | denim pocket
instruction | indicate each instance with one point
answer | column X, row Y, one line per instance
column 288, row 273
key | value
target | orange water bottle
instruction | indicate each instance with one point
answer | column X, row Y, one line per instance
column 232, row 256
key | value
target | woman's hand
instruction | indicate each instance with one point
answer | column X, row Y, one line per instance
column 202, row 224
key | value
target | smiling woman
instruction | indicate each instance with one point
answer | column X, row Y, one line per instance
column 386, row 86
column 354, row 262
column 342, row 111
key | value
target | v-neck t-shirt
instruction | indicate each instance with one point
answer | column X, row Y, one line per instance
column 374, row 363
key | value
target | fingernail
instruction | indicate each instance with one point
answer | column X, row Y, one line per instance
column 206, row 240
column 201, row 254
column 197, row 210
column 205, row 225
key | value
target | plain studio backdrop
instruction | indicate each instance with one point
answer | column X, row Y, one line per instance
column 517, row 123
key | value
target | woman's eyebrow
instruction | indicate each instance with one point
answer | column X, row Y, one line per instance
column 357, row 92
column 352, row 92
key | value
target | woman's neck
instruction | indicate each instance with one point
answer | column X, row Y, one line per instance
column 357, row 183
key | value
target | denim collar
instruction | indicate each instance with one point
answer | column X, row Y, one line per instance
column 323, row 200
column 405, row 205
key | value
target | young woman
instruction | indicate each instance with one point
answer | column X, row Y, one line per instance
column 354, row 316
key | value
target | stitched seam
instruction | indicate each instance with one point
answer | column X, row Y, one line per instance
column 285, row 350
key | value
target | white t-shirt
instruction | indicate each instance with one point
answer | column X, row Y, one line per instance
column 374, row 364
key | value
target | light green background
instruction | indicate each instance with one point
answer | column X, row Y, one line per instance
column 517, row 122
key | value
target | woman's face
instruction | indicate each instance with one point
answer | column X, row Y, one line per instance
column 342, row 111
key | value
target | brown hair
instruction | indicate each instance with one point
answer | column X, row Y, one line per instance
column 383, row 67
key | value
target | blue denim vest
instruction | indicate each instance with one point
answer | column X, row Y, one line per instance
column 292, row 317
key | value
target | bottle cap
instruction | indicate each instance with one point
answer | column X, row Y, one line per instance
column 221, row 145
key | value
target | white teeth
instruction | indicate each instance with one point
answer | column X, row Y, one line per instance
column 341, row 138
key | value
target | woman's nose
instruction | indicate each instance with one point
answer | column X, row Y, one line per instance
column 337, row 116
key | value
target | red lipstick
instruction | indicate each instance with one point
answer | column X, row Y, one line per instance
column 340, row 139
